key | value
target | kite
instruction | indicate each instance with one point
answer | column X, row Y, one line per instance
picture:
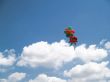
column 69, row 32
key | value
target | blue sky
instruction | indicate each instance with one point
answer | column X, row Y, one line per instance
column 27, row 22
column 24, row 22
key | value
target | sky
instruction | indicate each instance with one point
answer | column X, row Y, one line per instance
column 33, row 47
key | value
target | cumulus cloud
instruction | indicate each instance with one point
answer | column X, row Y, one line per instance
column 7, row 58
column 89, row 72
column 102, row 42
column 14, row 77
column 47, row 55
column 56, row 54
column 91, row 53
column 45, row 78
column 107, row 45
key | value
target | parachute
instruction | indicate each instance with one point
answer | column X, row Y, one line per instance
column 69, row 32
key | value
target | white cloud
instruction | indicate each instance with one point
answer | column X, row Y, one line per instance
column 14, row 77
column 47, row 55
column 103, row 42
column 90, row 72
column 45, row 78
column 7, row 58
column 107, row 45
column 91, row 53
column 56, row 54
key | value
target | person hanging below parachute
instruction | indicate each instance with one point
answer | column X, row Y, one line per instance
column 69, row 32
